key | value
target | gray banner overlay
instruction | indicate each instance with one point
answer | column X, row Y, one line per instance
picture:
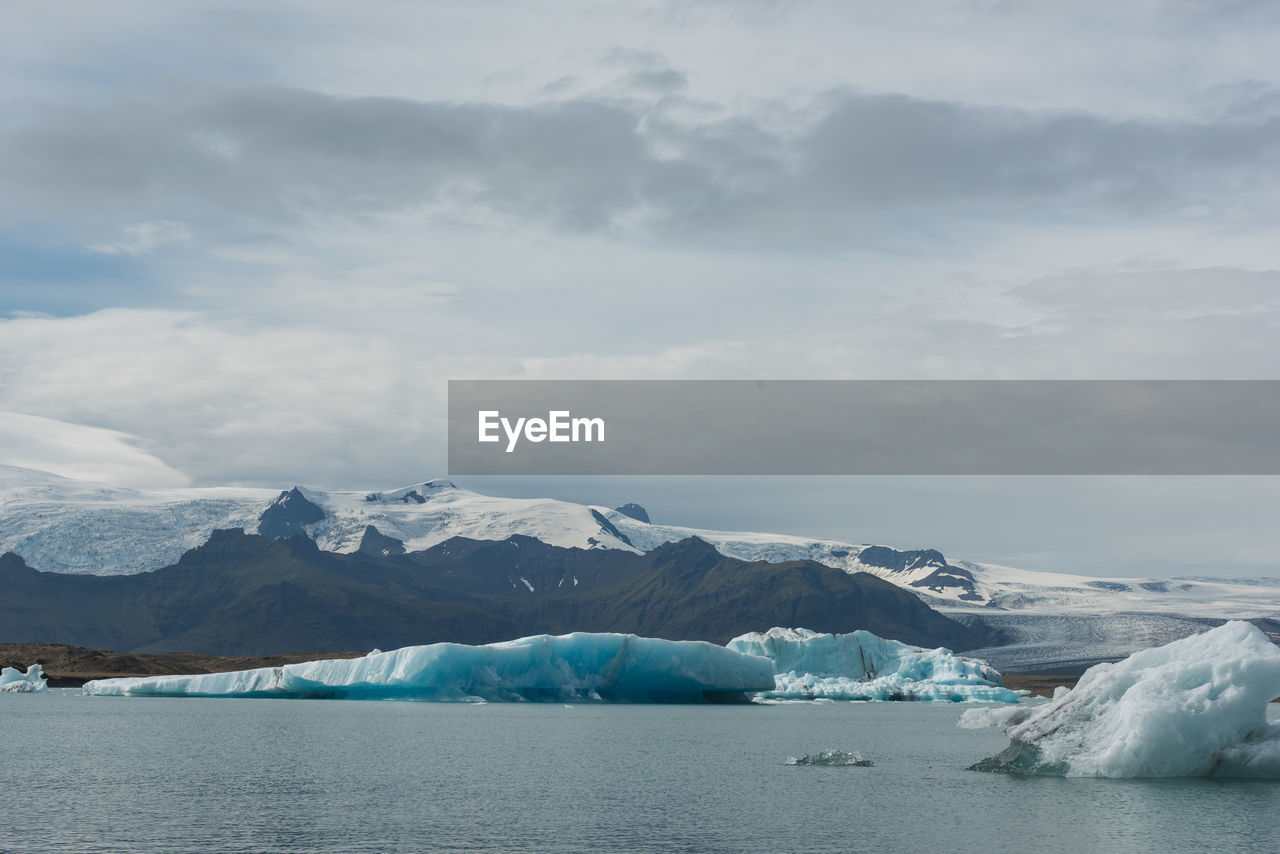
column 717, row 427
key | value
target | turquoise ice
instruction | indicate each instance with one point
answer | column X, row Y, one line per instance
column 575, row 667
column 809, row 665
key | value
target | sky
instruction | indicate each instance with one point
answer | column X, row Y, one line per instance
column 260, row 237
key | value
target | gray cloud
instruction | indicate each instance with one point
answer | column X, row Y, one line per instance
column 661, row 81
column 711, row 199
column 846, row 168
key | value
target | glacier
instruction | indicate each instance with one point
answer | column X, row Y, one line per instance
column 1196, row 707
column 59, row 524
column 550, row 668
column 859, row 665
column 14, row 681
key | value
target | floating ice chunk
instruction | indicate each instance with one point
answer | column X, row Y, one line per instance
column 580, row 666
column 863, row 666
column 14, row 681
column 1195, row 707
column 833, row 758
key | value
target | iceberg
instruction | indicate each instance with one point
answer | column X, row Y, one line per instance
column 862, row 666
column 1196, row 707
column 14, row 681
column 563, row 668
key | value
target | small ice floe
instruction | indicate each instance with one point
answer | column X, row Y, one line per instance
column 834, row 758
column 14, row 681
column 1194, row 708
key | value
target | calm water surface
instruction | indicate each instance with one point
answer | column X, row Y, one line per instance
column 95, row 774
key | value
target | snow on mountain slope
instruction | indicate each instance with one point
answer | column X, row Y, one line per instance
column 422, row 516
column 62, row 525
column 966, row 586
column 1028, row 591
column 923, row 570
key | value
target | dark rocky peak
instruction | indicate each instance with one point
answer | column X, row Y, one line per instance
column 301, row 545
column 224, row 536
column 946, row 577
column 221, row 542
column 900, row 561
column 413, row 495
column 234, row 547
column 497, row 552
column 607, row 527
column 374, row 542
column 288, row 515
column 519, row 547
column 689, row 553
column 635, row 511
column 13, row 562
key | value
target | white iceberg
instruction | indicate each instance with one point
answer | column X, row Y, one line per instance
column 1195, row 707
column 574, row 667
column 14, row 681
column 862, row 666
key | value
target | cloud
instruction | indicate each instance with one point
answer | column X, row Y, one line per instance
column 81, row 452
column 770, row 189
column 144, row 238
column 342, row 382
column 661, row 81
column 855, row 168
column 222, row 400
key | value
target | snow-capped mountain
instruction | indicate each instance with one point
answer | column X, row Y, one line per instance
column 429, row 513
column 965, row 586
column 63, row 525
column 58, row 524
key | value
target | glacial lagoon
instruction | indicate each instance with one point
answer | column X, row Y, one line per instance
column 96, row 774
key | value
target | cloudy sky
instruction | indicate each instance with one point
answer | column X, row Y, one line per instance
column 260, row 237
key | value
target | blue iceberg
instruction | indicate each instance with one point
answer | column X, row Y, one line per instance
column 14, row 681
column 575, row 667
column 1194, row 708
column 862, row 666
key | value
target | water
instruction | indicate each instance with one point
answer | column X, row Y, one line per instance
column 95, row 774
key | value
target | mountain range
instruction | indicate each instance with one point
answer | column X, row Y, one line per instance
column 398, row 540
column 246, row 594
